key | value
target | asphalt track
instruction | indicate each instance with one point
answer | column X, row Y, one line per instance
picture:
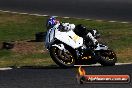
column 54, row 77
column 94, row 9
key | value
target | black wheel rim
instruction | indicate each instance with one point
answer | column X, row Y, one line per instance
column 109, row 56
column 64, row 57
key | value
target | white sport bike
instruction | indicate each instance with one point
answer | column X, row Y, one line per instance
column 68, row 49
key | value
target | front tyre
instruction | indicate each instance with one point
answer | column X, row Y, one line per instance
column 61, row 58
column 107, row 58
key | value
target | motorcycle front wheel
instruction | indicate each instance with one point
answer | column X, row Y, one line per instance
column 61, row 58
column 107, row 58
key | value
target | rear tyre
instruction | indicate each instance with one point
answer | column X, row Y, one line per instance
column 61, row 58
column 108, row 58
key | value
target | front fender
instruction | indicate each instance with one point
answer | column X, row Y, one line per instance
column 60, row 46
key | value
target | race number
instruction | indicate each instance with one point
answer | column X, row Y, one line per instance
column 75, row 38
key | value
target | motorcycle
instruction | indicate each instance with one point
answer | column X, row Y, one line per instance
column 67, row 49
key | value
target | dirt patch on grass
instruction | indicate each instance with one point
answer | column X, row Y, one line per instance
column 126, row 53
column 23, row 47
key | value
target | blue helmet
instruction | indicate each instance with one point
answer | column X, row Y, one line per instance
column 51, row 22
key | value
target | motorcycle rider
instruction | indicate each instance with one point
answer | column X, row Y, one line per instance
column 80, row 30
column 87, row 34
column 51, row 22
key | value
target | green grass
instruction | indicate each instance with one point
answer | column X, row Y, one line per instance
column 16, row 27
column 19, row 27
column 18, row 60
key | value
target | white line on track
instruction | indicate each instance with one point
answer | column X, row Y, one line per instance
column 100, row 64
column 58, row 16
column 66, row 17
column 24, row 13
column 21, row 13
column 88, row 19
column 112, row 21
column 124, row 22
column 9, row 68
column 99, row 20
column 3, row 69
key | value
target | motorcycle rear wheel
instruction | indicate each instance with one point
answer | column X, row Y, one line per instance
column 61, row 58
column 108, row 58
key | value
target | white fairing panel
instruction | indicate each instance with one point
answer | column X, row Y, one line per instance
column 69, row 38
